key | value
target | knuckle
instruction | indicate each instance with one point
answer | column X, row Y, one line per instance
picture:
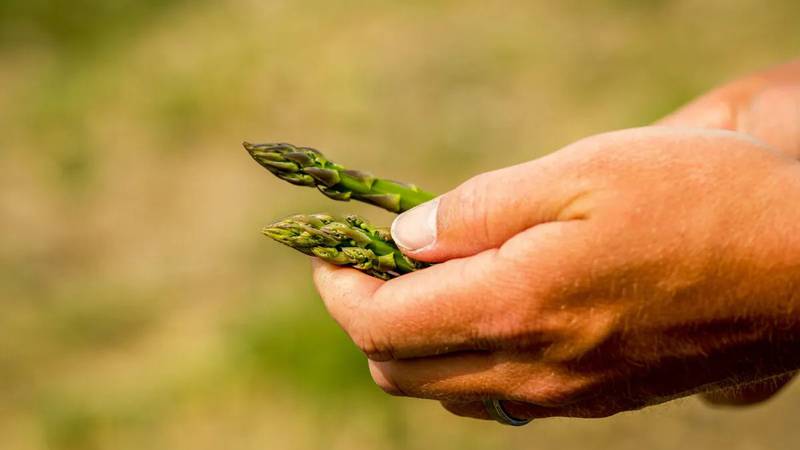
column 365, row 343
column 371, row 331
column 382, row 378
column 510, row 330
column 582, row 335
column 365, row 338
column 507, row 320
column 472, row 205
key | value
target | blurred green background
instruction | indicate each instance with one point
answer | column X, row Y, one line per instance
column 141, row 308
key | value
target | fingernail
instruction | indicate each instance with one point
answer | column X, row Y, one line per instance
column 415, row 229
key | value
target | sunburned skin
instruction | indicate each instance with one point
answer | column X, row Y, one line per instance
column 765, row 105
column 645, row 265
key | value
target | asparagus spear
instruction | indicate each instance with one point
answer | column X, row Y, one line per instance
column 306, row 166
column 346, row 242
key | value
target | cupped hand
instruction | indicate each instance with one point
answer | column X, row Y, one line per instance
column 765, row 105
column 622, row 271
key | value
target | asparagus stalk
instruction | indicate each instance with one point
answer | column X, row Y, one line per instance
column 345, row 242
column 306, row 166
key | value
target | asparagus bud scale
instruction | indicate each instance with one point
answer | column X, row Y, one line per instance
column 349, row 241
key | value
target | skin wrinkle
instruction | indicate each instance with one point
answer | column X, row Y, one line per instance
column 409, row 319
column 771, row 104
column 434, row 386
column 550, row 390
column 474, row 196
column 485, row 219
column 473, row 199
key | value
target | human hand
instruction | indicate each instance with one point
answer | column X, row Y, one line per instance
column 765, row 105
column 622, row 271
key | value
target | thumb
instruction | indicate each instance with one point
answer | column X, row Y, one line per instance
column 485, row 211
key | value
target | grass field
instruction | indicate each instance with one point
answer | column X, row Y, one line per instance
column 142, row 309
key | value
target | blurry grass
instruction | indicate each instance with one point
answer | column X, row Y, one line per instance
column 142, row 309
column 67, row 427
column 59, row 328
column 90, row 320
column 301, row 344
column 74, row 26
column 58, row 104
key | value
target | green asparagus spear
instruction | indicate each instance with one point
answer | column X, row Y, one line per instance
column 306, row 166
column 346, row 242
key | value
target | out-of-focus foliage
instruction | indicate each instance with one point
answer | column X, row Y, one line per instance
column 141, row 306
column 78, row 25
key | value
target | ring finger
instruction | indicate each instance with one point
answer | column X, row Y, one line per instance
column 474, row 376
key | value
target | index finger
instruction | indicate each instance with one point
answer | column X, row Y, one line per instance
column 476, row 303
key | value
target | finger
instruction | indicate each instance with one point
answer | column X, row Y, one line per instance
column 488, row 209
column 765, row 105
column 479, row 375
column 749, row 394
column 474, row 410
column 720, row 107
column 477, row 409
column 593, row 409
column 715, row 110
column 342, row 286
column 475, row 303
column 773, row 116
column 424, row 312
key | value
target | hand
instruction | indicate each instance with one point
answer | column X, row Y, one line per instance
column 765, row 105
column 625, row 270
